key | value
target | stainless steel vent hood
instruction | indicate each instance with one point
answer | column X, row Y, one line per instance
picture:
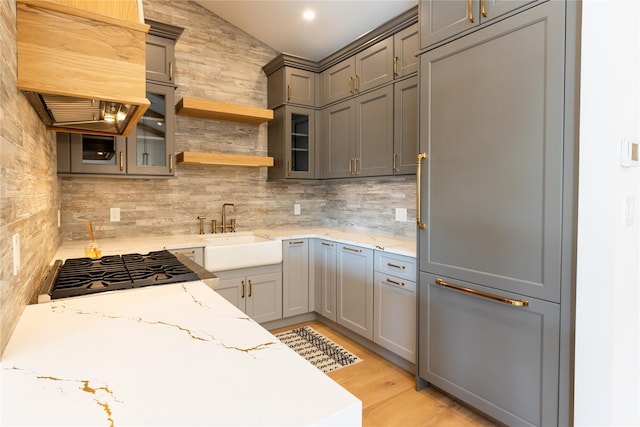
column 83, row 69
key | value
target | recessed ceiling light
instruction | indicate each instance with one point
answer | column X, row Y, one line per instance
column 308, row 14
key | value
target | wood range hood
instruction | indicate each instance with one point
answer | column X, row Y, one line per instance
column 82, row 63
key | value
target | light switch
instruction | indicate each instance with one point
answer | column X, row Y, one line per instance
column 114, row 214
column 296, row 209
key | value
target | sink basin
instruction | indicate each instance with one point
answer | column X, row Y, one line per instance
column 229, row 251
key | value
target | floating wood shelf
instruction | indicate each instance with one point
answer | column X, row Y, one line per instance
column 194, row 158
column 221, row 111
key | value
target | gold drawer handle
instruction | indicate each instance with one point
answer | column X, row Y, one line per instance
column 394, row 282
column 296, row 243
column 402, row 267
column 516, row 303
column 470, row 11
column 327, row 244
column 346, row 248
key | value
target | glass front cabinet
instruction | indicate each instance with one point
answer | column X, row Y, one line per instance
column 292, row 143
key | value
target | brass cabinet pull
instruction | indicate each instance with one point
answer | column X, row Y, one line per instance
column 395, row 66
column 250, row 288
column 402, row 267
column 395, row 161
column 121, row 161
column 355, row 162
column 355, row 86
column 288, row 92
column 185, row 253
column 422, row 226
column 327, row 244
column 288, row 167
column 394, row 282
column 171, row 71
column 508, row 301
column 351, row 166
column 242, row 296
column 299, row 242
column 470, row 11
column 346, row 248
column 482, row 8
column 170, row 163
column 350, row 84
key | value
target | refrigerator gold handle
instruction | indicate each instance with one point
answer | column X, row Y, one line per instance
column 508, row 301
column 422, row 226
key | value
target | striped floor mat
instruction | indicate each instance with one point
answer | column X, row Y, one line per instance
column 319, row 350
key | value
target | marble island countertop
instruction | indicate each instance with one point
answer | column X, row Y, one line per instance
column 394, row 244
column 163, row 355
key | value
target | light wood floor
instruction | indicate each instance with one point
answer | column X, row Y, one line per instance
column 388, row 392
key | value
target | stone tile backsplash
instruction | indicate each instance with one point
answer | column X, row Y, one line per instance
column 217, row 61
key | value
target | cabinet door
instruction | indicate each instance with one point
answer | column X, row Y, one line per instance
column 394, row 315
column 234, row 291
column 406, row 46
column 405, row 140
column 492, row 115
column 355, row 289
column 441, row 20
column 98, row 154
column 374, row 133
column 150, row 146
column 300, row 87
column 264, row 297
column 339, row 135
column 374, row 66
column 337, row 81
column 160, row 59
column 300, row 143
column 295, row 277
column 497, row 357
column 325, row 278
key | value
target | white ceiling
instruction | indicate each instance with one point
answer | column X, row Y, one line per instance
column 280, row 25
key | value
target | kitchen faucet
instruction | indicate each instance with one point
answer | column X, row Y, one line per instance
column 224, row 226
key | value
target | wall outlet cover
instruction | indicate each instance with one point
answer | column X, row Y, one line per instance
column 114, row 214
column 401, row 214
column 296, row 209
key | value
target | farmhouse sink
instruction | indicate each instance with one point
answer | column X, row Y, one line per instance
column 228, row 251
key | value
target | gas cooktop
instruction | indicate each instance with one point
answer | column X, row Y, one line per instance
column 83, row 276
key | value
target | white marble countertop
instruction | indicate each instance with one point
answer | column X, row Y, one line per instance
column 394, row 244
column 163, row 355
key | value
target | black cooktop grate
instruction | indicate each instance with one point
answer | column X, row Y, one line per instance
column 83, row 276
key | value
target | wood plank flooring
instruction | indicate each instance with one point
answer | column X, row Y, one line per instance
column 388, row 392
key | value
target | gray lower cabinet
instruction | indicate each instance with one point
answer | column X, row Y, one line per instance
column 500, row 358
column 354, row 285
column 324, row 261
column 394, row 297
column 295, row 277
column 256, row 291
column 358, row 135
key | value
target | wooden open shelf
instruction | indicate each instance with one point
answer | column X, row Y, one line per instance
column 221, row 111
column 194, row 158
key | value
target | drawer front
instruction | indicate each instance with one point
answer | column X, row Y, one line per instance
column 400, row 266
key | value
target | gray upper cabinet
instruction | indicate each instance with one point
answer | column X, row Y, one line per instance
column 441, row 20
column 358, row 135
column 355, row 289
column 91, row 154
column 150, row 146
column 492, row 114
column 160, row 59
column 374, row 66
column 292, row 143
column 405, row 116
column 289, row 85
column 406, row 46
column 337, row 81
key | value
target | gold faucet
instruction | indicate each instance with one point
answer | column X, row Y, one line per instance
column 224, row 227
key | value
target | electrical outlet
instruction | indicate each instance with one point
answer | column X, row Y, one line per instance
column 401, row 214
column 114, row 214
column 296, row 209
